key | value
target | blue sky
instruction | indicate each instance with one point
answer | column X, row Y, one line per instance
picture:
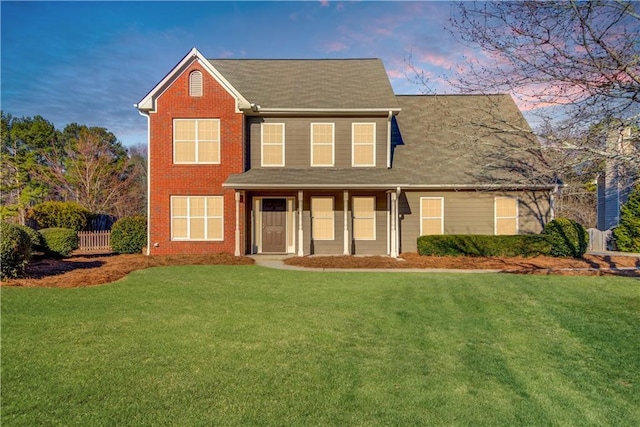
column 89, row 62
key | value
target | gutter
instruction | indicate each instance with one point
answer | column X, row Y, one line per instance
column 260, row 111
column 294, row 186
column 389, row 139
column 388, row 186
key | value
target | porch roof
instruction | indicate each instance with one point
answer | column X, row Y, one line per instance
column 316, row 178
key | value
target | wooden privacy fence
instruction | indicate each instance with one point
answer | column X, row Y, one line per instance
column 94, row 241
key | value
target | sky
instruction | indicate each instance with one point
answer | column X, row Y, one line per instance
column 89, row 62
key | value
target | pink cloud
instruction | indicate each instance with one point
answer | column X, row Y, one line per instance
column 324, row 3
column 384, row 32
column 441, row 61
column 335, row 47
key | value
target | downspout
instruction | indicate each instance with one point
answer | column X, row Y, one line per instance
column 552, row 202
column 142, row 113
column 397, row 237
column 389, row 139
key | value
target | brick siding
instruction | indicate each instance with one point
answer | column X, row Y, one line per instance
column 169, row 180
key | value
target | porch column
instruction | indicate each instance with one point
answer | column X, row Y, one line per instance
column 237, row 251
column 394, row 222
column 300, row 235
column 345, row 197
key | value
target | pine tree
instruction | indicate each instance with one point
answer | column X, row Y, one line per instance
column 627, row 234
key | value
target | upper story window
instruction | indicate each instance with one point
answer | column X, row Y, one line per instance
column 506, row 215
column 431, row 215
column 363, row 149
column 195, row 83
column 272, row 144
column 196, row 141
column 322, row 144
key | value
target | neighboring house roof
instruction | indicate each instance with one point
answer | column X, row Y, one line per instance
column 310, row 84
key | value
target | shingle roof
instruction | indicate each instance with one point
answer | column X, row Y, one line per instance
column 310, row 83
column 315, row 178
column 441, row 141
column 465, row 140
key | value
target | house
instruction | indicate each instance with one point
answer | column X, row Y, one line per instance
column 615, row 183
column 321, row 157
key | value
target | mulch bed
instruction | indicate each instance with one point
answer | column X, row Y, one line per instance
column 597, row 265
column 89, row 270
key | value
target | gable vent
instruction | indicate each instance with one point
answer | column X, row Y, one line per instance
column 195, row 83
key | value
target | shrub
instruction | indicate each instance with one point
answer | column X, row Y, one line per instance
column 129, row 235
column 60, row 215
column 37, row 244
column 59, row 242
column 483, row 245
column 568, row 238
column 627, row 233
column 15, row 250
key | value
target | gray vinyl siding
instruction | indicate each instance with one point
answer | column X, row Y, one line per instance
column 298, row 140
column 470, row 212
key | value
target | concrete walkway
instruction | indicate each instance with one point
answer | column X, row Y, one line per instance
column 277, row 262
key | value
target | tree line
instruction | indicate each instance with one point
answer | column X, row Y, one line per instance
column 82, row 164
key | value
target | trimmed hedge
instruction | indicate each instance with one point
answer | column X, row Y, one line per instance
column 59, row 242
column 484, row 245
column 37, row 244
column 129, row 235
column 568, row 238
column 60, row 215
column 15, row 250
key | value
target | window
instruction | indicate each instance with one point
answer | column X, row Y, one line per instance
column 506, row 209
column 364, row 218
column 195, row 83
column 322, row 144
column 196, row 141
column 272, row 144
column 197, row 218
column 431, row 215
column 363, row 150
column 322, row 218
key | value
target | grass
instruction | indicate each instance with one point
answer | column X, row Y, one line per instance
column 216, row 345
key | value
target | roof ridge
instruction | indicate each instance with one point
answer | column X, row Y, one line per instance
column 451, row 94
column 295, row 59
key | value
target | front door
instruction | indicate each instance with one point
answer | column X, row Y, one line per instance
column 274, row 225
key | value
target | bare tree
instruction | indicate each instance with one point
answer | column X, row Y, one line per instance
column 92, row 168
column 577, row 64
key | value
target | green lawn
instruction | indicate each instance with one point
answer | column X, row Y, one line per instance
column 215, row 345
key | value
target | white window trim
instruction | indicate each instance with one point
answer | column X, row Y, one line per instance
column 333, row 217
column 374, row 214
column 262, row 144
column 496, row 217
column 353, row 145
column 196, row 162
column 441, row 217
column 188, row 217
column 333, row 145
